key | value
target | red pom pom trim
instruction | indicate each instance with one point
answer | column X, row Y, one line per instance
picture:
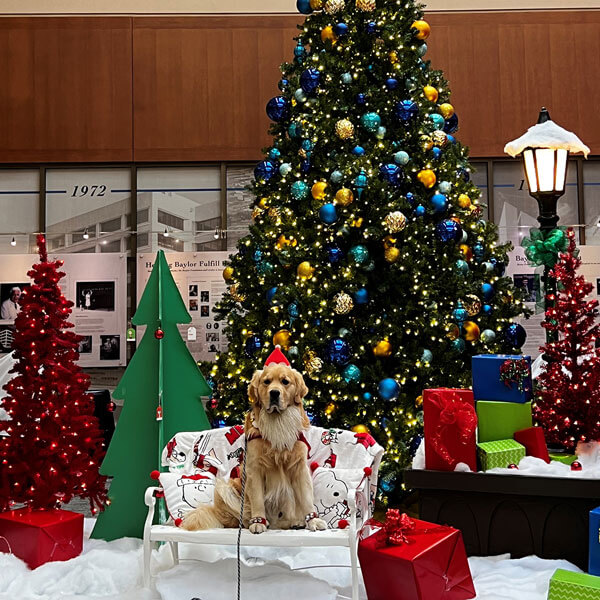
column 342, row 523
column 155, row 475
column 178, row 522
column 314, row 466
column 368, row 471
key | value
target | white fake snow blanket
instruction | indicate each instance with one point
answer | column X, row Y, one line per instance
column 114, row 570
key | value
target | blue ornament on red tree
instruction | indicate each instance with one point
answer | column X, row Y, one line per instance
column 339, row 351
column 388, row 389
column 449, row 231
column 309, row 80
column 451, row 124
column 406, row 110
column 515, row 334
column 391, row 173
column 253, row 345
column 264, row 170
column 278, row 108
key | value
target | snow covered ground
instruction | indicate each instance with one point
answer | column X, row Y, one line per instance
column 114, row 570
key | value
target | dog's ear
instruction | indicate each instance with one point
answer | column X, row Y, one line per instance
column 301, row 389
column 253, row 387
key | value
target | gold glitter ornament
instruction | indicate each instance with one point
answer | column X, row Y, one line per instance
column 431, row 93
column 305, row 270
column 228, row 273
column 471, row 331
column 395, row 221
column 426, row 142
column 282, row 338
column 472, row 304
column 382, row 349
column 393, row 57
column 316, row 4
column 360, row 429
column 464, row 201
column 446, row 110
column 344, row 129
column 344, row 197
column 427, row 178
column 391, row 254
column 333, row 6
column 312, row 363
column 235, row 294
column 439, row 138
column 366, row 5
column 342, row 303
column 453, row 331
column 275, row 214
column 319, row 190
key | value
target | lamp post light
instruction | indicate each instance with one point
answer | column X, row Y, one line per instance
column 545, row 149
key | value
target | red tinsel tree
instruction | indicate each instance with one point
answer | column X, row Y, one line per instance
column 568, row 398
column 53, row 445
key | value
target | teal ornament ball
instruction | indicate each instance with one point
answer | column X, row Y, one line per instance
column 438, row 120
column 445, row 187
column 380, row 133
column 264, row 267
column 488, row 291
column 460, row 314
column 487, row 309
column 299, row 190
column 388, row 389
column 328, row 214
column 346, row 78
column 401, row 158
column 487, row 336
column 336, row 177
column 462, row 266
column 427, row 356
column 274, row 153
column 439, row 203
column 352, row 374
column 359, row 254
column 458, row 345
column 371, row 121
column 300, row 95
column 295, row 130
column 284, row 169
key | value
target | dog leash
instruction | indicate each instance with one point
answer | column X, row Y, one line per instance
column 241, row 526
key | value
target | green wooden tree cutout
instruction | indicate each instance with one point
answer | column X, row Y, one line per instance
column 162, row 378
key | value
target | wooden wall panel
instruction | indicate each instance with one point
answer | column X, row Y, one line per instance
column 201, row 85
column 65, row 89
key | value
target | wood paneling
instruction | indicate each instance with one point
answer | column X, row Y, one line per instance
column 65, row 89
column 201, row 85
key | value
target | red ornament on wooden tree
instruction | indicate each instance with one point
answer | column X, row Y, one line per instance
column 53, row 446
column 568, row 401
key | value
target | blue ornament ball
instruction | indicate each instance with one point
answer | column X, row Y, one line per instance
column 406, row 110
column 487, row 309
column 361, row 296
column 346, row 78
column 391, row 173
column 359, row 254
column 293, row 352
column 371, row 27
column 427, row 356
column 371, row 121
column 410, row 197
column 299, row 190
column 300, row 95
column 253, row 345
column 334, row 253
column 439, row 203
column 293, row 309
column 438, row 120
column 283, row 84
column 460, row 314
column 437, row 153
column 451, row 139
column 339, row 351
column 458, row 345
column 328, row 214
column 352, row 374
column 488, row 291
column 284, row 169
column 391, row 83
column 309, row 80
column 388, row 389
column 264, row 170
column 361, row 99
column 445, row 187
column 462, row 266
column 340, row 29
column 451, row 124
column 303, row 6
column 401, row 157
column 295, row 130
column 336, row 177
column 271, row 294
column 420, row 210
column 367, row 396
column 358, row 151
column 274, row 154
column 305, row 166
column 449, row 231
column 278, row 108
column 515, row 334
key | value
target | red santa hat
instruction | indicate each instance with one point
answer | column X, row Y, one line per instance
column 277, row 357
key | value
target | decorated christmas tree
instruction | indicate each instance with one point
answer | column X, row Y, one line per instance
column 161, row 389
column 51, row 447
column 568, row 403
column 368, row 260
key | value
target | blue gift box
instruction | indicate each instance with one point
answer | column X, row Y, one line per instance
column 594, row 564
column 487, row 382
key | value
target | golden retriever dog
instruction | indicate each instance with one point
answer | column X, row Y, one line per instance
column 279, row 490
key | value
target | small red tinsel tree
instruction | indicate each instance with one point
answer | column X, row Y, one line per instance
column 54, row 446
column 568, row 398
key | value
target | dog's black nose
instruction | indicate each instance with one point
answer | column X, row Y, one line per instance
column 274, row 396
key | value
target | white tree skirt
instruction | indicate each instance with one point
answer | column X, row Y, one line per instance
column 114, row 570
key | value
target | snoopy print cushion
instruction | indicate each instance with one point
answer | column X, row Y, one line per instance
column 331, row 487
column 185, row 492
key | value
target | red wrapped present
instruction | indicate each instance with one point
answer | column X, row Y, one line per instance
column 450, row 423
column 41, row 536
column 534, row 441
column 407, row 559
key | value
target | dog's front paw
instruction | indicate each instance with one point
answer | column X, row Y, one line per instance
column 316, row 525
column 258, row 528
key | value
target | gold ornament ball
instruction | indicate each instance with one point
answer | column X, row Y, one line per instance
column 342, row 303
column 327, row 33
column 319, row 190
column 333, row 6
column 360, row 429
column 426, row 142
column 389, row 241
column 344, row 129
column 305, row 270
column 467, row 252
column 395, row 221
column 228, row 273
column 382, row 349
column 393, row 57
column 472, row 305
column 423, row 29
column 316, row 4
column 446, row 110
column 344, row 197
column 262, row 203
column 431, row 93
column 439, row 138
column 427, row 178
column 312, row 363
column 365, row 5
column 391, row 254
column 464, row 201
column 419, row 401
column 330, row 408
column 471, row 331
column 282, row 338
column 453, row 331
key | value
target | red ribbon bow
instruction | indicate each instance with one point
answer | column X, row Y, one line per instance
column 454, row 412
column 395, row 529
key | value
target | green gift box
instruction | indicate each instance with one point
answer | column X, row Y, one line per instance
column 499, row 453
column 567, row 459
column 500, row 420
column 566, row 585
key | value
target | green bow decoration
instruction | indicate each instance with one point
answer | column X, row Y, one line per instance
column 543, row 249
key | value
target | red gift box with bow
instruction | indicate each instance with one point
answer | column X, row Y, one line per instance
column 408, row 559
column 450, row 423
column 41, row 536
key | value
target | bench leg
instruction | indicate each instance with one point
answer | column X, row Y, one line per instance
column 175, row 552
column 147, row 558
column 354, row 565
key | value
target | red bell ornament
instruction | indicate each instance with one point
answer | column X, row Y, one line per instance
column 576, row 466
column 159, row 334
